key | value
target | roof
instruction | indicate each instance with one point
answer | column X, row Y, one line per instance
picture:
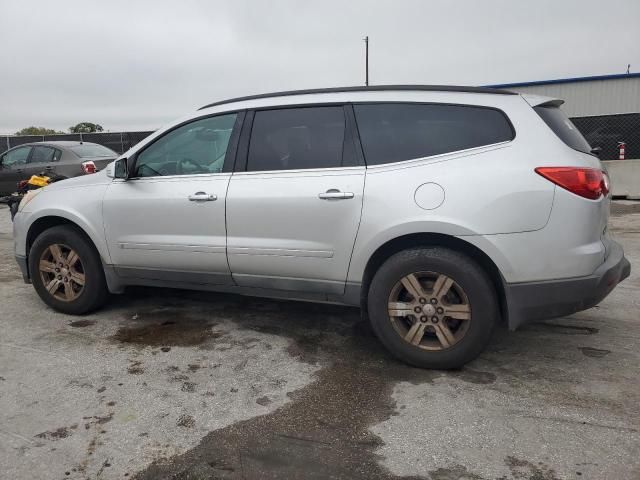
column 375, row 88
column 594, row 78
column 58, row 143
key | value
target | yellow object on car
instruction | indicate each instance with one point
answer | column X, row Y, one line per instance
column 39, row 181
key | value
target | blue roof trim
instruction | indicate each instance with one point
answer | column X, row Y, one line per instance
column 618, row 76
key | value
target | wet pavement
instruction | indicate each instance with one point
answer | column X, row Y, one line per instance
column 166, row 384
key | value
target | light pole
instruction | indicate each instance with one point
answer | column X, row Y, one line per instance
column 366, row 60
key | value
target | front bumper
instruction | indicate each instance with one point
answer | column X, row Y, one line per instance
column 532, row 301
column 24, row 267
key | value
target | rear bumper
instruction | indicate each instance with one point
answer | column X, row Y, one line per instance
column 532, row 301
column 24, row 268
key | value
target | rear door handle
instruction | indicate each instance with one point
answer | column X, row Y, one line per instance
column 202, row 197
column 334, row 194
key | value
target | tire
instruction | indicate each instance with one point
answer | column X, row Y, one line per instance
column 83, row 298
column 470, row 294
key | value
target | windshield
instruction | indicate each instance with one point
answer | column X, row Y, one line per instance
column 93, row 151
column 564, row 128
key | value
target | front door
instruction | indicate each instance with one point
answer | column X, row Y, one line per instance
column 12, row 169
column 293, row 212
column 167, row 222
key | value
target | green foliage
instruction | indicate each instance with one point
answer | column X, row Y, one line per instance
column 37, row 131
column 86, row 127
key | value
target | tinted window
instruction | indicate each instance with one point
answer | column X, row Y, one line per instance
column 88, row 150
column 563, row 127
column 396, row 132
column 194, row 148
column 16, row 157
column 296, row 138
column 42, row 154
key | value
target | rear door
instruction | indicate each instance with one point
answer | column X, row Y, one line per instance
column 294, row 201
column 41, row 160
column 12, row 168
column 167, row 223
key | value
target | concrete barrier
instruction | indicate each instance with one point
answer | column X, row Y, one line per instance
column 625, row 178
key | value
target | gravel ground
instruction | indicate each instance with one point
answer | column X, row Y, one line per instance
column 185, row 385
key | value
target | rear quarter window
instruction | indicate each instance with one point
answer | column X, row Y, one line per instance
column 564, row 128
column 394, row 132
column 95, row 150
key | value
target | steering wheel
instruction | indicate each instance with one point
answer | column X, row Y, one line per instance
column 183, row 161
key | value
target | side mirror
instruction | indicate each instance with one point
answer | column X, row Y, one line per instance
column 118, row 169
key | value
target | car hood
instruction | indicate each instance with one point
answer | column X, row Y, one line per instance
column 98, row 178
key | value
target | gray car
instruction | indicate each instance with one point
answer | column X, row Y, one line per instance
column 61, row 158
column 440, row 211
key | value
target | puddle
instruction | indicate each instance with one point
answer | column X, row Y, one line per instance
column 323, row 432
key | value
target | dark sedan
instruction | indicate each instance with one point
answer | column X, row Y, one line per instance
column 60, row 158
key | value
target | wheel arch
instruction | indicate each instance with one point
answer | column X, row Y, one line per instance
column 46, row 222
column 414, row 240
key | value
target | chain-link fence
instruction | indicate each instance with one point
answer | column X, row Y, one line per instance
column 604, row 131
column 608, row 131
column 119, row 141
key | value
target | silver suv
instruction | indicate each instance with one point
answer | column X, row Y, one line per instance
column 440, row 211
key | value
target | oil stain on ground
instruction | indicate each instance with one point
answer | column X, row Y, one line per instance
column 82, row 323
column 323, row 432
column 594, row 352
column 167, row 327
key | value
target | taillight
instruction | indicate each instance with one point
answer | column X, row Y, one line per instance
column 88, row 167
column 591, row 183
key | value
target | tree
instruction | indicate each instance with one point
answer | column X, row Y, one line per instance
column 37, row 131
column 86, row 127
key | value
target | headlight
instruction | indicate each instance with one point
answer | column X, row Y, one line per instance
column 30, row 195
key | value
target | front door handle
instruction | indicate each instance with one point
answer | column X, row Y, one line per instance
column 335, row 194
column 202, row 197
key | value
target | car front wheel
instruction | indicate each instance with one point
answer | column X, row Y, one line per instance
column 432, row 307
column 66, row 271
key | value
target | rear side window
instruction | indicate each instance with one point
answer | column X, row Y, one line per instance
column 564, row 128
column 42, row 154
column 95, row 150
column 297, row 138
column 393, row 132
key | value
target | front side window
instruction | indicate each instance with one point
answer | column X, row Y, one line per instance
column 195, row 148
column 394, row 132
column 42, row 154
column 16, row 157
column 297, row 138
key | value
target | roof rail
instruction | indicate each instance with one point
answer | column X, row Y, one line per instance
column 375, row 88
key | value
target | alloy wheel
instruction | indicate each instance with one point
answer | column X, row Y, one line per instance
column 429, row 310
column 62, row 272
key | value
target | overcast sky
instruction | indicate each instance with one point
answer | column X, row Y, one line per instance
column 139, row 64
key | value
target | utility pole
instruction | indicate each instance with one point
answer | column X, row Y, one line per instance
column 366, row 60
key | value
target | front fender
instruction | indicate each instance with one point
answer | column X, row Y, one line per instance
column 81, row 206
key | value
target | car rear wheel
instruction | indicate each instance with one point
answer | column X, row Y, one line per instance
column 66, row 271
column 432, row 307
